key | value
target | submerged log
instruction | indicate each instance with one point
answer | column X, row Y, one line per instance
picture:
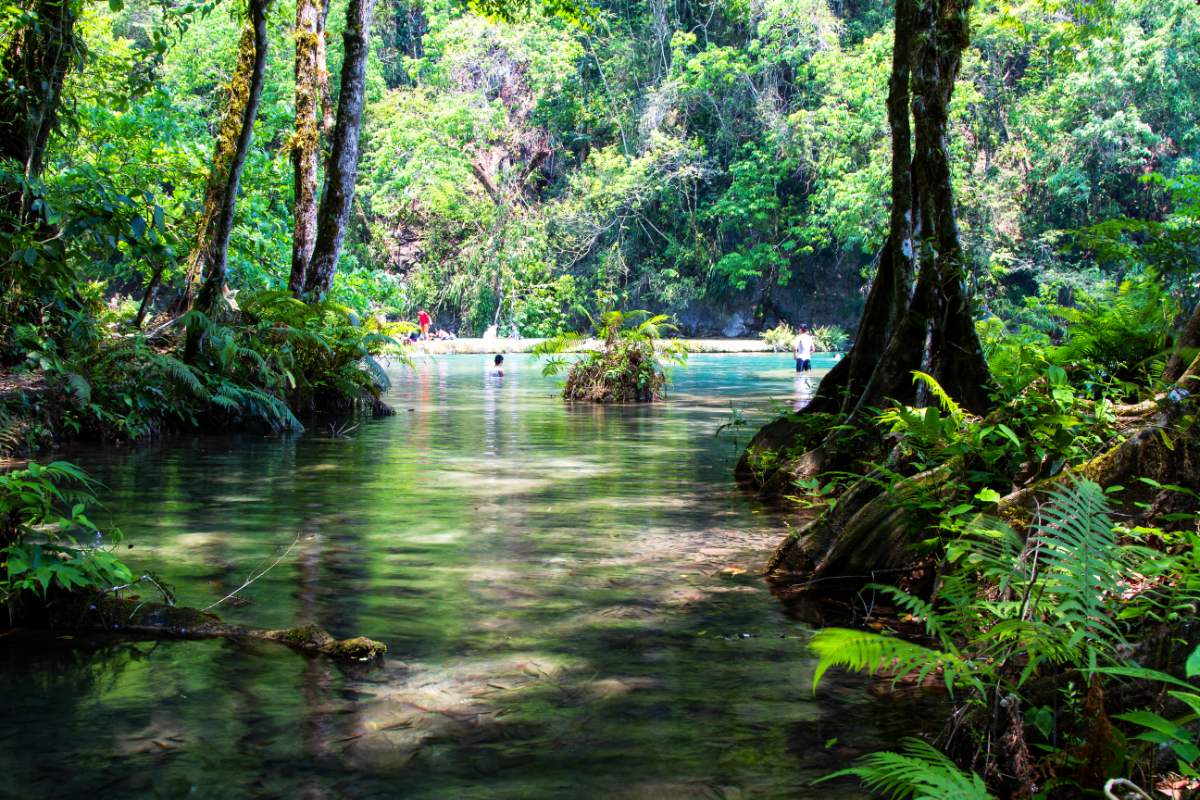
column 157, row 620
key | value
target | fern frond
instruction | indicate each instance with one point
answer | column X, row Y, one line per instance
column 79, row 387
column 919, row 772
column 864, row 651
column 179, row 371
column 562, row 343
column 921, row 609
column 944, row 400
column 378, row 375
column 1082, row 561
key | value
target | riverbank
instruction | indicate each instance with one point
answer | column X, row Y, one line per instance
column 482, row 346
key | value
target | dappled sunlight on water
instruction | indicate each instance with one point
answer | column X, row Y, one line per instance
column 569, row 595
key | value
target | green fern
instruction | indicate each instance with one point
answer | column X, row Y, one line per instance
column 918, row 771
column 864, row 651
column 1083, row 563
column 944, row 400
column 933, row 620
column 178, row 371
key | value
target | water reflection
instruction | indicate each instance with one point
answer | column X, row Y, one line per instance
column 567, row 592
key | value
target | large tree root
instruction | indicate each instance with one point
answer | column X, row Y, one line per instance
column 156, row 620
column 866, row 532
column 1156, row 448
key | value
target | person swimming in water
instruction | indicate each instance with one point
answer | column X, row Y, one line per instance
column 497, row 366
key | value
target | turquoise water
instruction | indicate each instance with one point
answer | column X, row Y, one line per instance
column 568, row 593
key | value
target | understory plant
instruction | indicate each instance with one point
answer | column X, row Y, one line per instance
column 269, row 359
column 626, row 365
column 779, row 338
column 826, row 338
column 1040, row 639
column 47, row 541
column 829, row 339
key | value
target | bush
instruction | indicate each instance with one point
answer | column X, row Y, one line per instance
column 826, row 338
column 829, row 339
column 628, row 366
column 47, row 541
column 779, row 338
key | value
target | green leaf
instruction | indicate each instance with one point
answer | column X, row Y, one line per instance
column 1152, row 721
column 1008, row 433
column 1192, row 667
column 988, row 496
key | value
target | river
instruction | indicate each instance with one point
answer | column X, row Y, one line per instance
column 568, row 594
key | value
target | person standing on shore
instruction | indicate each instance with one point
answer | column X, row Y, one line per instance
column 802, row 350
column 424, row 320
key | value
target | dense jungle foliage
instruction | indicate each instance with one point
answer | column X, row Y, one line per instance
column 725, row 162
column 1011, row 435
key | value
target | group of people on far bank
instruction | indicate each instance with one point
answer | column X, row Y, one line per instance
column 424, row 323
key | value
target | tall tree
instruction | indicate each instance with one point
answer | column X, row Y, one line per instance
column 311, row 80
column 36, row 58
column 917, row 315
column 233, row 143
column 342, row 170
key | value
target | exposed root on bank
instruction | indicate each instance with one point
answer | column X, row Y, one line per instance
column 868, row 531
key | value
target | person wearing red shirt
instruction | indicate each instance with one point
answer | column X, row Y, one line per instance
column 423, row 319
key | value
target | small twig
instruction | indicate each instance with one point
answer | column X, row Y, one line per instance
column 1132, row 789
column 253, row 577
column 167, row 597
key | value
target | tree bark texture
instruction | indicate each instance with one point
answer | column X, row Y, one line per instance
column 306, row 142
column 233, row 144
column 1185, row 349
column 342, row 171
column 224, row 155
column 35, row 63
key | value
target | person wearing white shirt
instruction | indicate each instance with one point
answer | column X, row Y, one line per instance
column 803, row 350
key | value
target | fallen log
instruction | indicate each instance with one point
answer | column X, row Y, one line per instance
column 134, row 617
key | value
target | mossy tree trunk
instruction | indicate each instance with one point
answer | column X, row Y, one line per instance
column 342, row 171
column 37, row 56
column 209, row 258
column 306, row 142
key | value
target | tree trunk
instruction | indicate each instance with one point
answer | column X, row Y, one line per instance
column 1185, row 349
column 149, row 295
column 35, row 62
column 338, row 195
column 306, row 144
column 891, row 289
column 224, row 152
column 917, row 315
column 327, row 120
column 233, row 144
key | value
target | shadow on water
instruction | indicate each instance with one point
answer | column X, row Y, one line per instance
column 568, row 594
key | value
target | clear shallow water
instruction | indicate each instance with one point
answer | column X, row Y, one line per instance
column 568, row 594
